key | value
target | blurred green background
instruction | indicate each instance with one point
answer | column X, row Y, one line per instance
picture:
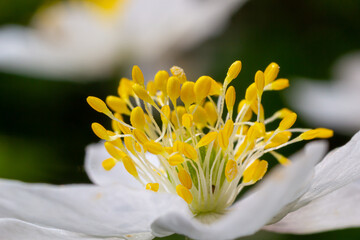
column 45, row 125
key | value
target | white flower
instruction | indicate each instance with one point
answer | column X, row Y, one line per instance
column 302, row 196
column 87, row 38
column 332, row 104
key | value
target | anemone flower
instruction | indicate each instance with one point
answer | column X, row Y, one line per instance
column 332, row 104
column 183, row 172
column 87, row 39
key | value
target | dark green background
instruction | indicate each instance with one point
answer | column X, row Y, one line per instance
column 45, row 125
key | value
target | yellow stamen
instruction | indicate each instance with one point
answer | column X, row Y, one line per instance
column 184, row 193
column 142, row 93
column 137, row 75
column 173, row 88
column 187, row 94
column 211, row 113
column 152, row 186
column 287, row 122
column 114, row 152
column 233, row 71
column 207, row 139
column 202, row 88
column 130, row 166
column 160, row 80
column 279, row 84
column 271, row 73
column 154, row 147
column 185, row 178
column 178, row 72
column 187, row 120
column 260, row 82
column 100, row 131
column 255, row 171
column 231, row 170
column 109, row 163
column 176, row 159
column 137, row 118
column 98, row 105
column 140, row 136
column 230, row 98
column 317, row 133
column 117, row 104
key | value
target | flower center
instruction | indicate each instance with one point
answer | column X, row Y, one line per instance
column 206, row 152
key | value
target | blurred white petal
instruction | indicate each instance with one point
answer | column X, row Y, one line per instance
column 252, row 212
column 98, row 211
column 339, row 209
column 68, row 40
column 95, row 154
column 331, row 104
column 13, row 229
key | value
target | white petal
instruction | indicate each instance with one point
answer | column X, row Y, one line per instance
column 95, row 154
column 252, row 212
column 100, row 211
column 339, row 168
column 339, row 209
column 13, row 229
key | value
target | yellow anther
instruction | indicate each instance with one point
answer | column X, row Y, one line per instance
column 125, row 88
column 109, row 163
column 178, row 147
column 278, row 139
column 115, row 124
column 137, row 75
column 248, row 113
column 231, row 170
column 113, row 151
column 230, row 98
column 178, row 72
column 202, row 88
column 271, row 72
column 173, row 88
column 185, row 178
column 152, row 186
column 233, row 71
column 187, row 120
column 154, row 147
column 200, row 116
column 124, row 129
column 98, row 105
column 187, row 94
column 175, row 159
column 100, row 131
column 141, row 92
column 256, row 131
column 160, row 80
column 140, row 136
column 255, row 171
column 118, row 143
column 215, row 88
column 280, row 158
column 150, row 87
column 138, row 147
column 283, row 112
column 129, row 144
column 137, row 118
column 223, row 139
column 180, row 111
column 251, row 93
column 279, row 84
column 130, row 166
column 184, row 193
column 207, row 139
column 228, row 128
column 287, row 121
column 259, row 82
column 317, row 133
column 169, row 150
column 211, row 113
column 117, row 104
column 165, row 116
column 189, row 151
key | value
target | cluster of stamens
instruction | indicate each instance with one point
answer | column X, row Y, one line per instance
column 204, row 154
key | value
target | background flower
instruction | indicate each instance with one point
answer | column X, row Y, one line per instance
column 84, row 38
column 332, row 104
